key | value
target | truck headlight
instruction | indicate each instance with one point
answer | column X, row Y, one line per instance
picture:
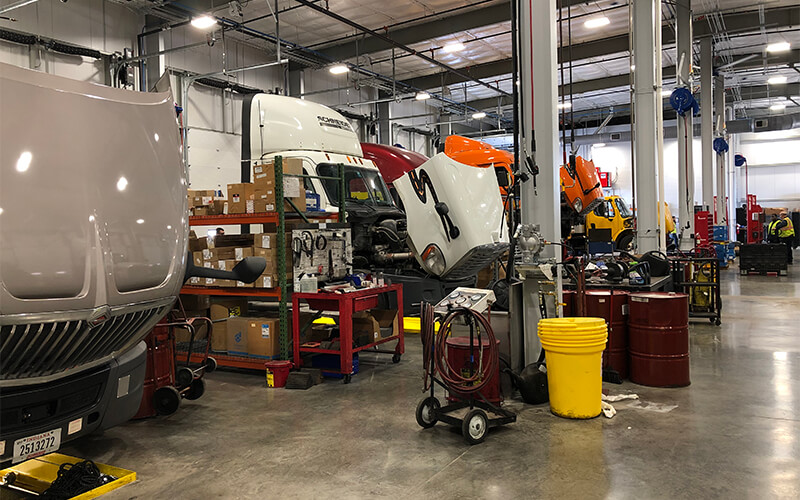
column 628, row 222
column 433, row 259
column 577, row 205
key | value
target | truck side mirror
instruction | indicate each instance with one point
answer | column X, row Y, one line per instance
column 247, row 271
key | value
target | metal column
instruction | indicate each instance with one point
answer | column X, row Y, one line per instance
column 645, row 15
column 540, row 196
column 685, row 127
column 707, row 121
column 719, row 114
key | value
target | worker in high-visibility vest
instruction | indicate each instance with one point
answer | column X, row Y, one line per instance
column 772, row 233
column 785, row 230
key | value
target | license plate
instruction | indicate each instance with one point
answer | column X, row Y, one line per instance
column 35, row 446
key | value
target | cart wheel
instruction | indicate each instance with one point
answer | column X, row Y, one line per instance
column 166, row 400
column 711, row 320
column 183, row 376
column 196, row 389
column 395, row 358
column 211, row 364
column 426, row 412
column 718, row 322
column 474, row 426
column 347, row 378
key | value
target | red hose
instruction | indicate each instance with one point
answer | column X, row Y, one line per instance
column 484, row 373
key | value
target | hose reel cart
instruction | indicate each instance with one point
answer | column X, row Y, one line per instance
column 467, row 367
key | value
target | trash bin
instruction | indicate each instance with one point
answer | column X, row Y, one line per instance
column 574, row 349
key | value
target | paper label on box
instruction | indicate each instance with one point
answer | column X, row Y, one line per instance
column 194, row 280
column 260, row 176
column 291, row 187
column 209, row 281
column 239, row 253
column 207, row 200
column 221, row 265
column 235, row 198
column 265, row 330
column 258, row 169
column 206, row 254
column 265, row 241
column 249, row 207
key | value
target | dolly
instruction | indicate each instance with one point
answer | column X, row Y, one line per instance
column 467, row 385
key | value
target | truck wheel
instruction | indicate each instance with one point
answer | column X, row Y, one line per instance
column 624, row 242
column 166, row 400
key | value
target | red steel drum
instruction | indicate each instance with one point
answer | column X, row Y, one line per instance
column 658, row 339
column 612, row 306
column 569, row 301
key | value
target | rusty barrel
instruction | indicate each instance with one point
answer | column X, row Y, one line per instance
column 658, row 339
column 612, row 306
column 569, row 303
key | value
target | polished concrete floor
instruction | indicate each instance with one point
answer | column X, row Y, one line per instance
column 734, row 433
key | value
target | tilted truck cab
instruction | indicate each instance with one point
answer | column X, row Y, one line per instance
column 93, row 251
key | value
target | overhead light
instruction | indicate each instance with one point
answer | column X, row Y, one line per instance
column 599, row 145
column 421, row 96
column 564, row 105
column 339, row 69
column 203, row 22
column 122, row 183
column 633, row 67
column 777, row 107
column 777, row 80
column 453, row 47
column 140, row 221
column 778, row 47
column 597, row 22
column 479, row 115
column 24, row 161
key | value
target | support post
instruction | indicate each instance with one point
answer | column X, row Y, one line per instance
column 683, row 10
column 645, row 14
column 707, row 121
column 721, row 170
column 540, row 196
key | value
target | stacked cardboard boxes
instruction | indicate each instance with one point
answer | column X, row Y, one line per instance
column 223, row 257
column 206, row 202
column 259, row 195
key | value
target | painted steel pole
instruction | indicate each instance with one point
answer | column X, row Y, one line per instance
column 645, row 14
column 538, row 129
column 721, row 170
column 707, row 121
column 683, row 10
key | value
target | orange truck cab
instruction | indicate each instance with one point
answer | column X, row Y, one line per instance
column 581, row 185
column 482, row 155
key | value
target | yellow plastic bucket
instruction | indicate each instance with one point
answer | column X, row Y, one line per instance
column 573, row 349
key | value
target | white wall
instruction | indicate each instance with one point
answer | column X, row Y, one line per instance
column 97, row 24
column 774, row 168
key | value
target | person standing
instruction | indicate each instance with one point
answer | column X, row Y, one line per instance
column 772, row 233
column 785, row 230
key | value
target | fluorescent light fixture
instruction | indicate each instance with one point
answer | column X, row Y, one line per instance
column 339, row 69
column 479, row 115
column 778, row 47
column 421, row 96
column 453, row 47
column 777, row 80
column 633, row 67
column 24, row 161
column 140, row 221
column 599, row 145
column 203, row 22
column 155, row 136
column 122, row 183
column 777, row 107
column 564, row 105
column 597, row 22
column 779, row 356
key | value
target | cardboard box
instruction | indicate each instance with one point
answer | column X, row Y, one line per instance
column 223, row 253
column 198, row 259
column 236, row 335
column 266, row 281
column 293, row 187
column 256, row 337
column 777, row 211
column 365, row 329
column 196, row 302
column 238, row 194
column 200, row 197
column 271, row 256
column 217, row 207
column 223, row 309
column 198, row 244
column 234, row 240
column 183, row 335
column 388, row 321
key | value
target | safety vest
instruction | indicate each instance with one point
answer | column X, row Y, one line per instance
column 787, row 230
column 771, row 228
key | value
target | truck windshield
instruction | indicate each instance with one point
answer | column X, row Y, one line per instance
column 624, row 211
column 362, row 185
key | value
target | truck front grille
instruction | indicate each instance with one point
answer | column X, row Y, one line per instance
column 43, row 349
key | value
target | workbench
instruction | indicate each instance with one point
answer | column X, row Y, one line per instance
column 347, row 304
column 657, row 284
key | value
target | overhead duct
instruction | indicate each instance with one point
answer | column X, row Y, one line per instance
column 768, row 124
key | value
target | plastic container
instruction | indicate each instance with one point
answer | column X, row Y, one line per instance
column 573, row 349
column 277, row 372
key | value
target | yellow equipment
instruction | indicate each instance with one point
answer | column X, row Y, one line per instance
column 613, row 213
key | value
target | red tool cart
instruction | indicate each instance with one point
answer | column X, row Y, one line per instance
column 347, row 304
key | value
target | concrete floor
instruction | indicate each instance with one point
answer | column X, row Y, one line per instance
column 734, row 433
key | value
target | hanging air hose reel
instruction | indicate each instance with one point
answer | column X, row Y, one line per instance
column 682, row 101
column 720, row 146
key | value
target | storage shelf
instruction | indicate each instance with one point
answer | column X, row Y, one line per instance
column 226, row 360
column 355, row 349
column 231, row 291
column 264, row 218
